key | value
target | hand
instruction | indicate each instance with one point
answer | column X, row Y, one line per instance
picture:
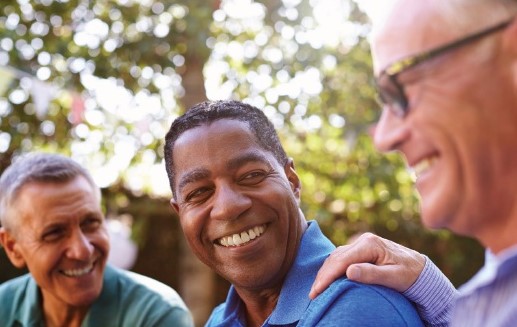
column 373, row 260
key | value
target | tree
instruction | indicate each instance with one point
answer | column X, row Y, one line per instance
column 102, row 80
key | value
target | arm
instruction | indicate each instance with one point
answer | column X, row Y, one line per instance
column 433, row 295
column 347, row 303
column 375, row 260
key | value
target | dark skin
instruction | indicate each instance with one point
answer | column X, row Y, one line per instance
column 227, row 185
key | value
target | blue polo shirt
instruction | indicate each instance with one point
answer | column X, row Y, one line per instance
column 344, row 303
column 126, row 300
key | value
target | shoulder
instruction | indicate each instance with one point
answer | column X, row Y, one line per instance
column 145, row 301
column 347, row 302
column 13, row 288
column 13, row 294
column 148, row 287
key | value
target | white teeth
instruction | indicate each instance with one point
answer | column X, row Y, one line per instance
column 243, row 237
column 78, row 272
column 423, row 165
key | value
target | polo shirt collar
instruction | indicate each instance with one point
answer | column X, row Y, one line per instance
column 294, row 297
column 30, row 313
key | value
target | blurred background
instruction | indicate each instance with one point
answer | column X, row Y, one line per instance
column 101, row 81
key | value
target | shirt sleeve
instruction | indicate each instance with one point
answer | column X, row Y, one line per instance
column 433, row 294
column 347, row 303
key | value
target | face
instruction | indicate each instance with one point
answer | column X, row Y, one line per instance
column 237, row 205
column 62, row 239
column 459, row 135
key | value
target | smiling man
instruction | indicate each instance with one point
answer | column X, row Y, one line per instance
column 237, row 195
column 52, row 224
column 446, row 71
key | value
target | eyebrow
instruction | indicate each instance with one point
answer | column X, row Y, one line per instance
column 246, row 157
column 242, row 159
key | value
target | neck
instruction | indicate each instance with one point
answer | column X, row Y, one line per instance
column 258, row 305
column 57, row 314
column 501, row 234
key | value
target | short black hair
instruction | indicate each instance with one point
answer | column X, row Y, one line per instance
column 207, row 112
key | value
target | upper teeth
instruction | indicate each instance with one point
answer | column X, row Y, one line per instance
column 423, row 165
column 78, row 272
column 243, row 237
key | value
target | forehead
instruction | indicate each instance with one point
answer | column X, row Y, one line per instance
column 46, row 201
column 220, row 142
column 409, row 27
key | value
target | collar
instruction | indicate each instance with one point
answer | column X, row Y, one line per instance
column 30, row 312
column 294, row 297
column 496, row 266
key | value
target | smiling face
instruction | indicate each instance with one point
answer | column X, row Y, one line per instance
column 61, row 237
column 238, row 206
column 459, row 135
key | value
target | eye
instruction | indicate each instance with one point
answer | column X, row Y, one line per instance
column 254, row 177
column 53, row 234
column 199, row 195
column 91, row 224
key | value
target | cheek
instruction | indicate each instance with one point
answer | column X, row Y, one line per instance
column 191, row 224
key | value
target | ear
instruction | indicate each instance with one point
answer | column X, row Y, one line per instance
column 12, row 248
column 174, row 205
column 292, row 176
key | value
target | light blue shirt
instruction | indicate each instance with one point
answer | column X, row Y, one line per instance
column 344, row 303
column 488, row 299
column 126, row 300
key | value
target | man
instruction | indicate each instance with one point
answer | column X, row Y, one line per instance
column 237, row 195
column 52, row 224
column 447, row 73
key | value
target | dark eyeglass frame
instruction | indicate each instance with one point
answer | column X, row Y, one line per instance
column 391, row 91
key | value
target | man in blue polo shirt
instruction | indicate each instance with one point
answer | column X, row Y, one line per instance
column 237, row 195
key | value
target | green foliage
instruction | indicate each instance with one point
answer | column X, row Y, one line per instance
column 317, row 90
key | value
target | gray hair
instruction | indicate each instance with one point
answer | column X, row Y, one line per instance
column 35, row 167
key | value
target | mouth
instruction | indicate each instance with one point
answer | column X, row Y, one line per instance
column 423, row 165
column 242, row 238
column 79, row 271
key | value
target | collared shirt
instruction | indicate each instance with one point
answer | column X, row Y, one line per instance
column 344, row 303
column 126, row 300
column 488, row 299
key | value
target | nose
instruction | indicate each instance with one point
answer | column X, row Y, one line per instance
column 79, row 247
column 390, row 132
column 229, row 203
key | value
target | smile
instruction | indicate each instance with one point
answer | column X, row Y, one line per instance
column 423, row 165
column 78, row 272
column 242, row 238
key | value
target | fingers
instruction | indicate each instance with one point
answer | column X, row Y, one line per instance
column 333, row 268
column 389, row 276
column 337, row 263
column 371, row 259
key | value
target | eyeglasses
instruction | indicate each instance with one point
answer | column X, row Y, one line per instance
column 391, row 91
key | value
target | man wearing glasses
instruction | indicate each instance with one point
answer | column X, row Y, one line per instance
column 447, row 77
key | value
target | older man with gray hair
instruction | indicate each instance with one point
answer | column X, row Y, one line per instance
column 52, row 223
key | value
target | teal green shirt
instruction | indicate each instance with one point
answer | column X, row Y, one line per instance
column 127, row 300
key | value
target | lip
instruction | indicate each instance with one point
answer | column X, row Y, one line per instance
column 242, row 237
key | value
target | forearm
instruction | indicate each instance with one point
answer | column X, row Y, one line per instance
column 433, row 295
